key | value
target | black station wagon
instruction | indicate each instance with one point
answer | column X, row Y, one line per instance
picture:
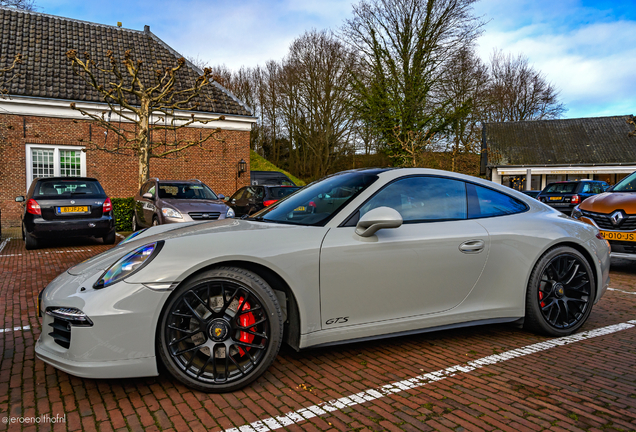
column 66, row 207
column 564, row 196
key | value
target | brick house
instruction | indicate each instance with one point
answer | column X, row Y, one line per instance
column 40, row 135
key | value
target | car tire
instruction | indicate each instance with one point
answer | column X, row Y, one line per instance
column 30, row 242
column 227, row 310
column 560, row 293
column 155, row 221
column 110, row 238
column 133, row 223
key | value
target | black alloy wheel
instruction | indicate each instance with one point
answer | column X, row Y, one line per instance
column 561, row 292
column 221, row 330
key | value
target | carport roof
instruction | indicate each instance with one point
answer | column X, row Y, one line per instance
column 581, row 141
column 43, row 41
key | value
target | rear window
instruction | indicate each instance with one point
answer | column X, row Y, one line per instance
column 281, row 192
column 53, row 188
column 560, row 188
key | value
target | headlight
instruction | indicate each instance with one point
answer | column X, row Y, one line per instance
column 576, row 213
column 132, row 236
column 230, row 213
column 129, row 264
column 171, row 213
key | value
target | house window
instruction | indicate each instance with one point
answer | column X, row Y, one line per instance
column 54, row 161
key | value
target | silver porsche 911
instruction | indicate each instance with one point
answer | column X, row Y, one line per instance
column 358, row 255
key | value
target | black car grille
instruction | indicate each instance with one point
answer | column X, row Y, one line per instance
column 61, row 332
column 204, row 215
column 603, row 221
column 623, row 246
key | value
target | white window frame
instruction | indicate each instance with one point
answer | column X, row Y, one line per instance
column 56, row 159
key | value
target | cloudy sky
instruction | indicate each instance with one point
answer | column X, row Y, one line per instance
column 586, row 48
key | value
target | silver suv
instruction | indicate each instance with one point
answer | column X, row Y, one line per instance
column 171, row 201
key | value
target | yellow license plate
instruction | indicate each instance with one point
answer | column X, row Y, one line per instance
column 301, row 208
column 555, row 198
column 621, row 236
column 77, row 209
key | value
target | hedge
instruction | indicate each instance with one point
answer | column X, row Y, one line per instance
column 123, row 209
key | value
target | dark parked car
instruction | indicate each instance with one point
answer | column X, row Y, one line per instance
column 170, row 201
column 250, row 199
column 566, row 195
column 66, row 207
column 272, row 178
column 531, row 193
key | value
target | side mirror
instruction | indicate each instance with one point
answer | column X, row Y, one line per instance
column 147, row 195
column 19, row 199
column 222, row 197
column 377, row 219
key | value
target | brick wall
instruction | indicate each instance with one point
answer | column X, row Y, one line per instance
column 215, row 164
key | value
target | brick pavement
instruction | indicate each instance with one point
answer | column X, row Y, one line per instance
column 589, row 385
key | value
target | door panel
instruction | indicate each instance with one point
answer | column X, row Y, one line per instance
column 416, row 269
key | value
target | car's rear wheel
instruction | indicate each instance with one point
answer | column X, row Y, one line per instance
column 560, row 293
column 30, row 242
column 221, row 330
column 109, row 238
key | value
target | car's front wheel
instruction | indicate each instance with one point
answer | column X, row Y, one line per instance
column 560, row 293
column 133, row 223
column 221, row 330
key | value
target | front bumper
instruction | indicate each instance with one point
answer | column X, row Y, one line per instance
column 121, row 341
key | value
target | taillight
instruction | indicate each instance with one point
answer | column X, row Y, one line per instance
column 33, row 207
column 269, row 202
column 576, row 199
column 312, row 204
column 108, row 206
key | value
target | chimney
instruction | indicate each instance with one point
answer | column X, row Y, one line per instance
column 146, row 29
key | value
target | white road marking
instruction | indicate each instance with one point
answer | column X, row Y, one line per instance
column 273, row 423
column 624, row 292
column 4, row 243
column 119, row 235
column 54, row 252
column 2, row 256
column 7, row 330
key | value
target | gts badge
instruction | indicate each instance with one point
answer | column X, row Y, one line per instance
column 339, row 320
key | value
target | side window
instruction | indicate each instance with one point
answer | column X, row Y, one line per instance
column 249, row 193
column 587, row 188
column 420, row 199
column 238, row 194
column 597, row 188
column 260, row 193
column 152, row 189
column 485, row 202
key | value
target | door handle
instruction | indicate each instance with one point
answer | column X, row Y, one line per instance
column 472, row 246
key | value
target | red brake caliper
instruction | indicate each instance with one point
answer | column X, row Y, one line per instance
column 246, row 320
column 540, row 298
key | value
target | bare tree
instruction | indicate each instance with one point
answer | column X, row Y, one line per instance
column 317, row 95
column 517, row 92
column 28, row 5
column 155, row 106
column 402, row 47
column 463, row 85
column 8, row 74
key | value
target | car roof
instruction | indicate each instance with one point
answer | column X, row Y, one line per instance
column 66, row 178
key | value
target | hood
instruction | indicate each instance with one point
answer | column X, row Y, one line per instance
column 610, row 201
column 170, row 231
column 186, row 206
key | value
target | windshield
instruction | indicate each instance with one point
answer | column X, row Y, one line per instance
column 628, row 184
column 561, row 188
column 186, row 191
column 318, row 202
column 69, row 187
